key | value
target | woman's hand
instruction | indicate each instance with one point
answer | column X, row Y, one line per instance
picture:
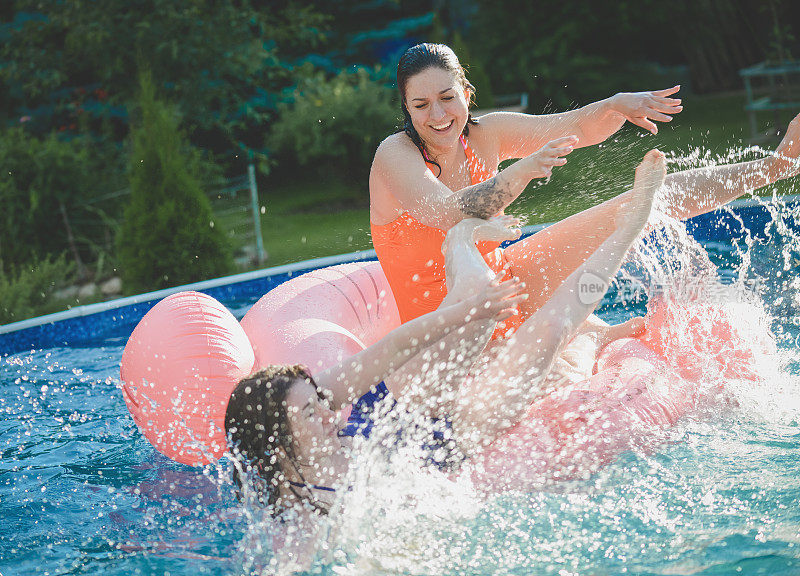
column 642, row 108
column 497, row 301
column 552, row 154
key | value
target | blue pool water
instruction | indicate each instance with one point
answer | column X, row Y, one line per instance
column 82, row 491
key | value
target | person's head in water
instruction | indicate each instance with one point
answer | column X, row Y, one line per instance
column 435, row 96
column 281, row 429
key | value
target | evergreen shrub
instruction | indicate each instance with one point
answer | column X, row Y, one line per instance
column 39, row 178
column 168, row 235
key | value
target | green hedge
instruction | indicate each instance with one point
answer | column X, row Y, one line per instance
column 40, row 178
column 27, row 291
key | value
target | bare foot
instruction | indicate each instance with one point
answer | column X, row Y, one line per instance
column 649, row 177
column 788, row 151
column 497, row 229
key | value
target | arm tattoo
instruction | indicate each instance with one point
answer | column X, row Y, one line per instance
column 486, row 199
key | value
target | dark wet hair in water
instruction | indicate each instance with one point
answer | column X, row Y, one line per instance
column 418, row 59
column 257, row 428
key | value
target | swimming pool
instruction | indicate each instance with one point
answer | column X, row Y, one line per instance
column 82, row 492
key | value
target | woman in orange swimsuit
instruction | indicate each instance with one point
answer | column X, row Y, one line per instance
column 443, row 168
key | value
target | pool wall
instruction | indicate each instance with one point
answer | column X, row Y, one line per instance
column 117, row 318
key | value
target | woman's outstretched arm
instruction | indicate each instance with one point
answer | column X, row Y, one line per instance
column 701, row 190
column 496, row 399
column 521, row 134
column 400, row 172
column 353, row 377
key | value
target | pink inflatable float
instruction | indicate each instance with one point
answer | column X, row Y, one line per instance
column 640, row 388
column 188, row 353
column 178, row 370
column 322, row 317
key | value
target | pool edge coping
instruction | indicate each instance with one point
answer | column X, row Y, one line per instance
column 97, row 307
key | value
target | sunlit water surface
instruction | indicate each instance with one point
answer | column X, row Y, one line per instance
column 82, row 492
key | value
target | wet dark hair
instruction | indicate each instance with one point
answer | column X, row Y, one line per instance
column 418, row 59
column 257, row 426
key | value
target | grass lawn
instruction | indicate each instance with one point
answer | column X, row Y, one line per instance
column 312, row 218
column 309, row 219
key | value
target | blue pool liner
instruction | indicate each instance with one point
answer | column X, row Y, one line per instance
column 116, row 319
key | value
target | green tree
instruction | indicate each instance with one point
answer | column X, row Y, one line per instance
column 71, row 65
column 334, row 125
column 541, row 51
column 168, row 236
column 576, row 51
column 476, row 72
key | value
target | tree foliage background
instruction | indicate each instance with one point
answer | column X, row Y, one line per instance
column 576, row 51
column 73, row 65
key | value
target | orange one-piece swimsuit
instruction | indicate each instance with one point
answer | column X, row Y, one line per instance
column 411, row 256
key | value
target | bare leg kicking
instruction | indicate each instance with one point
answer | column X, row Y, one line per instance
column 544, row 260
column 497, row 397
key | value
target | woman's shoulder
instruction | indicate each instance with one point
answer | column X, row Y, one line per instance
column 397, row 153
column 394, row 145
column 393, row 160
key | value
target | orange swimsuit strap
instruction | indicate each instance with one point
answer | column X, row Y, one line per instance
column 478, row 172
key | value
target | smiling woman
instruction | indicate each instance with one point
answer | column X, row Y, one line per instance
column 443, row 168
column 437, row 99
